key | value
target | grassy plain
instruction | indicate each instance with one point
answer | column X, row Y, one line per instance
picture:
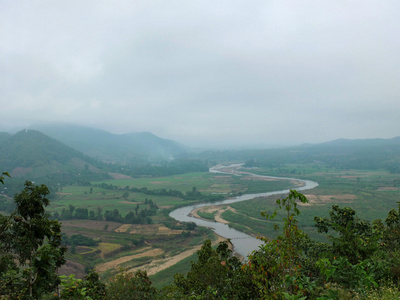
column 206, row 182
column 371, row 193
column 130, row 246
column 125, row 200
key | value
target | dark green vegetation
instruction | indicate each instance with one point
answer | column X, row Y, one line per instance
column 370, row 192
column 126, row 218
column 360, row 261
column 32, row 155
column 360, row 257
column 123, row 223
column 30, row 247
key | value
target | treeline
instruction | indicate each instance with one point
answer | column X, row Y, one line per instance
column 193, row 194
column 161, row 168
column 137, row 216
column 78, row 240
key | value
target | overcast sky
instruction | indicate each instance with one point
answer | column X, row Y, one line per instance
column 204, row 72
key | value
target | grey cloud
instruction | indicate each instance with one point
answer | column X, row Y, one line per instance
column 226, row 72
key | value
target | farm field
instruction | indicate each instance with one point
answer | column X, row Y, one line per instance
column 158, row 247
column 163, row 246
column 122, row 198
column 371, row 193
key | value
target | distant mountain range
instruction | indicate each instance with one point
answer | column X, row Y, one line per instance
column 341, row 153
column 65, row 153
column 77, row 155
column 106, row 146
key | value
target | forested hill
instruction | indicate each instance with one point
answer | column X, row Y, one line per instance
column 32, row 155
column 130, row 148
column 342, row 154
column 357, row 154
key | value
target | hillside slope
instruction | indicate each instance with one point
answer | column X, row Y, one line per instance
column 106, row 146
column 32, row 155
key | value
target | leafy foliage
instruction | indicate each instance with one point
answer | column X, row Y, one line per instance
column 360, row 256
column 2, row 174
column 361, row 260
column 90, row 288
column 127, row 285
column 30, row 248
column 357, row 239
column 276, row 267
column 216, row 275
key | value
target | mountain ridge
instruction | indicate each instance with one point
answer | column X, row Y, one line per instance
column 106, row 146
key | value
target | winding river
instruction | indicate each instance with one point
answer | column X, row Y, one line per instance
column 243, row 243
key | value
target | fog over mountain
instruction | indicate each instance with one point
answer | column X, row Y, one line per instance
column 223, row 74
column 106, row 146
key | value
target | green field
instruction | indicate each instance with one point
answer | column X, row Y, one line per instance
column 207, row 182
column 94, row 197
column 79, row 196
column 119, row 242
column 206, row 215
column 371, row 193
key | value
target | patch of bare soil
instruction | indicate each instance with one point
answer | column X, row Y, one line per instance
column 161, row 264
column 116, row 262
column 123, row 228
column 129, row 202
column 388, row 188
column 218, row 217
column 119, row 176
column 144, row 229
column 90, row 224
column 210, row 209
column 322, row 199
column 162, row 230
column 165, row 206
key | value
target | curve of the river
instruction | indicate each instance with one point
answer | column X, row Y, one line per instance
column 243, row 243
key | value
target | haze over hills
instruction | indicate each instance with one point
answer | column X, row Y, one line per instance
column 34, row 156
column 106, row 146
column 342, row 153
column 68, row 149
column 346, row 154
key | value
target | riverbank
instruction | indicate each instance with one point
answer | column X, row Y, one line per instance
column 243, row 243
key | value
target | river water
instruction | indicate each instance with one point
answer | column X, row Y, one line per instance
column 243, row 243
